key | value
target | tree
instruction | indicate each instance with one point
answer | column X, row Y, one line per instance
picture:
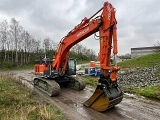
column 157, row 47
column 54, row 45
column 4, row 36
column 15, row 30
column 46, row 44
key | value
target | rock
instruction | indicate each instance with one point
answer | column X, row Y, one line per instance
column 139, row 77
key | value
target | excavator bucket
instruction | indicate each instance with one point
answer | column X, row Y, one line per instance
column 104, row 98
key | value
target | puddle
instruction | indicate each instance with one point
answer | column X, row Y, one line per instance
column 130, row 95
column 68, row 102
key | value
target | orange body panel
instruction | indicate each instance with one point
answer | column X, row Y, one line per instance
column 39, row 69
column 92, row 64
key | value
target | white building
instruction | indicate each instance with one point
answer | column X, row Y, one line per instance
column 137, row 52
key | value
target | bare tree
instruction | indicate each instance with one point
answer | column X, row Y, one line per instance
column 21, row 45
column 4, row 36
column 84, row 50
column 9, row 45
column 46, row 44
column 77, row 48
column 37, row 45
column 54, row 45
column 34, row 46
column 15, row 29
column 92, row 54
column 157, row 47
column 27, row 45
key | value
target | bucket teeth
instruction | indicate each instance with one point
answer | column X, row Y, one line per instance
column 104, row 98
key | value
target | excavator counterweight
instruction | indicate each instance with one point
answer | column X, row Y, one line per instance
column 62, row 69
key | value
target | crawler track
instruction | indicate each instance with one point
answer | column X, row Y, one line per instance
column 70, row 102
column 49, row 87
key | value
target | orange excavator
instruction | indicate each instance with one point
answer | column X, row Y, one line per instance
column 61, row 70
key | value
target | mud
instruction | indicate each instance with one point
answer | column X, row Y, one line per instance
column 70, row 102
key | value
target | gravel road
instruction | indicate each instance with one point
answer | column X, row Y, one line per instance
column 70, row 103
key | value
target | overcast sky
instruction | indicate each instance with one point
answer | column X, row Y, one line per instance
column 138, row 20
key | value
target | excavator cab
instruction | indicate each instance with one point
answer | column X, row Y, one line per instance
column 71, row 68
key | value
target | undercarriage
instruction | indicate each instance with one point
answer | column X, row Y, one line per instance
column 52, row 87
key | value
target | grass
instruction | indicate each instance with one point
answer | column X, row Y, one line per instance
column 130, row 89
column 19, row 103
column 30, row 66
column 82, row 62
column 90, row 80
column 151, row 92
column 143, row 61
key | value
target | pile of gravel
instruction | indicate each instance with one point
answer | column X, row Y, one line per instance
column 138, row 77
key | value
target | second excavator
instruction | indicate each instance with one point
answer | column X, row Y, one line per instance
column 59, row 71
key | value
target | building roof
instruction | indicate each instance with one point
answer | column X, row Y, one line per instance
column 142, row 48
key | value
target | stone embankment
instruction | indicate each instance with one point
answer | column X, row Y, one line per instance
column 139, row 77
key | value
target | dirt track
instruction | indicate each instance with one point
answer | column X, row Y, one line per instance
column 70, row 103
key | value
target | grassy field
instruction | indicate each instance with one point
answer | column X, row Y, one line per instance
column 19, row 103
column 143, row 61
column 82, row 62
column 30, row 66
column 90, row 80
column 151, row 92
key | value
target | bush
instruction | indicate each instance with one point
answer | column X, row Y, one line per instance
column 6, row 65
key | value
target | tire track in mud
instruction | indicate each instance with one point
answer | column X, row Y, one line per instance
column 70, row 102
